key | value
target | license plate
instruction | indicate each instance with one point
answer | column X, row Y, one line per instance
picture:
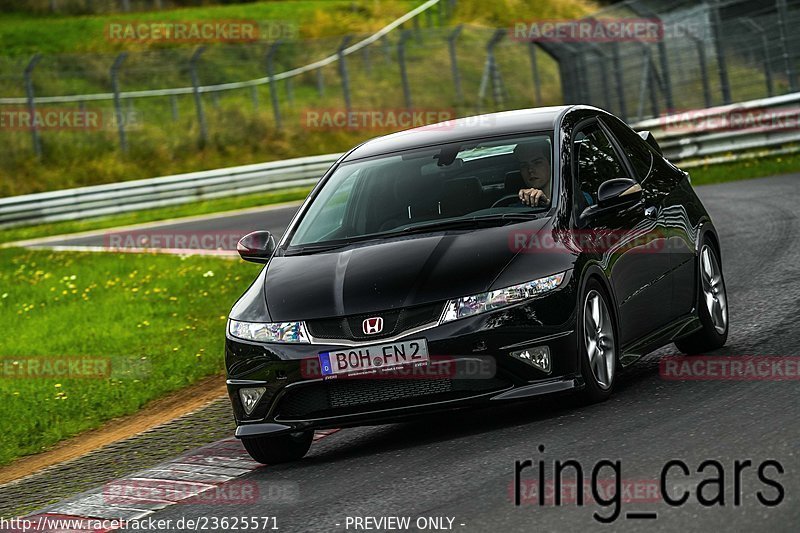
column 372, row 358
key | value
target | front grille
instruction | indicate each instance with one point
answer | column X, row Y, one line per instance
column 394, row 322
column 345, row 396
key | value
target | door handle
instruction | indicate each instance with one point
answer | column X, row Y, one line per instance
column 650, row 212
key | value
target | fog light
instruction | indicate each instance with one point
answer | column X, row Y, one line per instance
column 250, row 398
column 538, row 357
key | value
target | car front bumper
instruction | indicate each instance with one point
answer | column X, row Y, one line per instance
column 480, row 370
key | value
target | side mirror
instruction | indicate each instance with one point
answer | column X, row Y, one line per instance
column 618, row 191
column 256, row 247
column 649, row 139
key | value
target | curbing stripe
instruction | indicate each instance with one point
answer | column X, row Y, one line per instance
column 183, row 479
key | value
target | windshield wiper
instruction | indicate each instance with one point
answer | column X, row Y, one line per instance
column 470, row 222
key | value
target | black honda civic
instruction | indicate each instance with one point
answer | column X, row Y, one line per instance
column 487, row 259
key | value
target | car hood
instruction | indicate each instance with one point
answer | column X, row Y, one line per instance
column 400, row 272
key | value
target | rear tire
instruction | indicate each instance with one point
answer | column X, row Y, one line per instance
column 712, row 305
column 597, row 344
column 276, row 449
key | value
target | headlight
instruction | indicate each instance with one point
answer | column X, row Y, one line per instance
column 487, row 301
column 268, row 332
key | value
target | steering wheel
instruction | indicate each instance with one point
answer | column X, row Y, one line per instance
column 507, row 200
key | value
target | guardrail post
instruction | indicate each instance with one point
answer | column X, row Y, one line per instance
column 716, row 28
column 537, row 84
column 493, row 70
column 401, row 60
column 198, row 102
column 35, row 139
column 343, row 72
column 783, row 14
column 273, row 88
column 451, row 45
column 123, row 141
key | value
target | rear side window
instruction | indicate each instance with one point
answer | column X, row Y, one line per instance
column 635, row 148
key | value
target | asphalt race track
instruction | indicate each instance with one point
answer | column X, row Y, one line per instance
column 462, row 465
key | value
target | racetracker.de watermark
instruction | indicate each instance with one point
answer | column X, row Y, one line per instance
column 587, row 241
column 187, row 241
column 66, row 119
column 587, row 30
column 376, row 119
column 750, row 119
column 74, row 367
column 198, row 31
column 730, row 368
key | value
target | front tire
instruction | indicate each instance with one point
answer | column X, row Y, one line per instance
column 597, row 344
column 274, row 449
column 712, row 303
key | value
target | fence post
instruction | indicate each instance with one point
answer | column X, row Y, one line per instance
column 757, row 28
column 343, row 72
column 365, row 52
column 36, row 140
column 289, row 92
column 198, row 102
column 401, row 60
column 387, row 51
column 123, row 141
column 416, row 29
column 273, row 88
column 320, row 83
column 254, row 96
column 601, row 56
column 451, row 45
column 716, row 28
column 173, row 104
column 787, row 61
column 701, row 59
column 537, row 84
column 494, row 71
column 623, row 111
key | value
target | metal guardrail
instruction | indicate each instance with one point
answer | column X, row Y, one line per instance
column 721, row 138
column 693, row 148
column 99, row 200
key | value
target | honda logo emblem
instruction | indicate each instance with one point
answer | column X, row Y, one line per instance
column 373, row 325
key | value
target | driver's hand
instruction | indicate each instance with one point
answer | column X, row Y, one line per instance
column 533, row 197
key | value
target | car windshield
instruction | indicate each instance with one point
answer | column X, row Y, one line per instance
column 422, row 189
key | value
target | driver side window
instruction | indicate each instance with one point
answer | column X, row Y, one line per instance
column 595, row 162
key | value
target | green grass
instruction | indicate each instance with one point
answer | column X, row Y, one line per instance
column 150, row 215
column 745, row 169
column 26, row 34
column 158, row 320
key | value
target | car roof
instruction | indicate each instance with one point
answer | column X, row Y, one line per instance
column 463, row 129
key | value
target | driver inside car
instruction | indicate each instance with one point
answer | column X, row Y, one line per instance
column 534, row 166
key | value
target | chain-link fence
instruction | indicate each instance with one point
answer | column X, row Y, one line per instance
column 173, row 99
